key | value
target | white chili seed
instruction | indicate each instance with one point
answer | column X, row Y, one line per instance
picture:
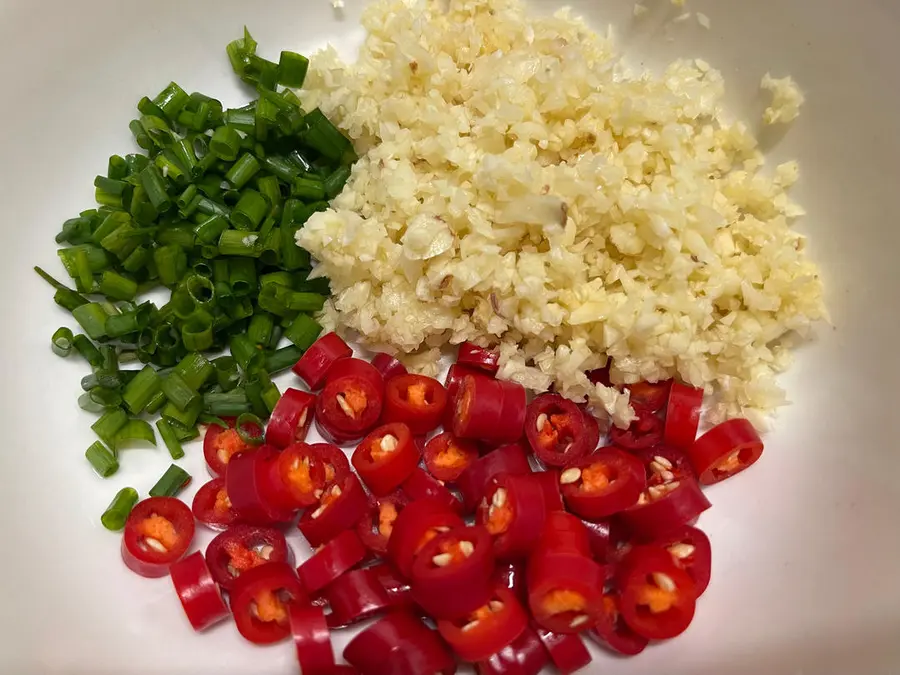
column 442, row 559
column 389, row 443
column 570, row 476
column 467, row 548
column 303, row 416
column 664, row 581
column 266, row 552
column 579, row 620
column 682, row 551
column 656, row 467
column 499, row 499
column 496, row 606
column 667, row 476
column 318, row 512
column 155, row 544
column 659, row 459
column 541, row 421
column 469, row 626
column 348, row 411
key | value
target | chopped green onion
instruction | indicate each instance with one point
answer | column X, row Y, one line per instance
column 208, row 207
column 185, row 418
column 303, row 331
column 195, row 369
column 109, row 425
column 292, row 69
column 99, row 400
column 226, row 404
column 88, row 350
column 62, row 341
column 92, row 318
column 336, row 181
column 282, row 359
column 321, row 135
column 170, row 439
column 178, row 392
column 242, row 171
column 280, row 167
column 239, row 243
column 292, row 256
column 155, row 186
column 171, row 263
column 249, row 211
column 134, row 430
column 254, row 435
column 197, row 333
column 171, row 100
column 225, row 143
column 211, row 229
column 242, row 277
column 140, row 391
column 173, row 481
column 182, row 433
column 308, row 189
column 119, row 509
column 242, row 349
column 260, row 329
column 117, row 287
column 102, row 459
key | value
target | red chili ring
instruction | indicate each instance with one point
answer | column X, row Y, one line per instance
column 416, row 400
column 315, row 362
column 342, row 506
column 683, row 415
column 488, row 630
column 513, row 512
column 556, row 429
column 212, row 507
column 248, row 483
column 399, row 644
column 371, row 529
column 567, row 652
column 291, row 418
column 472, row 356
column 339, row 555
column 243, row 547
column 525, row 656
column 199, row 595
column 312, row 640
column 420, row 485
column 273, row 580
column 659, row 517
column 725, row 450
column 602, row 484
column 362, row 398
column 361, row 594
column 505, row 459
column 446, row 456
column 388, row 366
column 151, row 525
column 386, row 457
column 613, row 633
column 420, row 521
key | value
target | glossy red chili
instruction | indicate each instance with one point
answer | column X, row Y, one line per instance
column 690, row 551
column 386, row 457
column 565, row 591
column 665, row 509
column 602, row 484
column 648, row 397
column 350, row 404
column 510, row 574
column 361, row 594
column 220, row 445
column 725, row 450
column 337, row 466
column 549, row 482
column 600, row 538
column 472, row 356
column 340, row 508
column 557, row 430
column 416, row 400
column 297, row 477
column 199, row 595
column 600, row 375
column 315, row 362
column 417, row 524
column 451, row 575
column 591, row 430
column 339, row 555
column 377, row 524
column 682, row 415
column 513, row 512
column 567, row 652
column 564, row 533
column 422, row 485
column 447, row 456
column 488, row 629
column 487, row 410
column 525, row 656
column 212, row 507
column 644, row 432
column 658, row 598
column 261, row 600
column 399, row 644
column 291, row 418
column 158, row 533
column 452, row 382
column 613, row 633
column 474, row 480
column 241, row 548
column 388, row 366
column 248, row 483
column 312, row 640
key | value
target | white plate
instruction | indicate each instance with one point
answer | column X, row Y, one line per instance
column 806, row 545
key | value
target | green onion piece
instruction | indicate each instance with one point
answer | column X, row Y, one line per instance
column 280, row 277
column 134, row 430
column 225, row 143
column 158, row 130
column 156, row 403
column 137, row 260
column 270, row 188
column 241, row 120
column 239, row 51
column 323, row 136
column 292, row 69
column 182, row 433
column 141, row 209
column 178, row 392
column 140, row 136
column 117, row 168
column 253, row 435
column 227, row 375
column 173, row 481
column 117, row 512
column 336, row 181
column 98, row 260
column 99, row 400
column 211, row 229
column 239, row 243
column 260, row 71
column 282, row 359
column 183, row 152
column 195, row 369
column 148, row 108
column 170, row 439
column 242, row 277
column 242, row 171
column 102, row 459
column 62, row 341
column 242, row 349
column 117, row 287
column 155, row 186
column 260, row 329
column 249, row 211
column 292, row 256
column 109, row 425
column 136, row 163
column 185, row 418
column 179, row 236
column 281, row 167
column 226, row 404
column 186, row 198
column 92, row 318
column 240, row 308
column 208, row 207
column 303, row 331
column 197, row 333
column 88, row 351
column 200, row 289
column 254, row 389
column 120, row 325
column 140, row 391
column 171, row 263
column 75, row 231
column 171, row 100
column 270, row 393
column 308, row 189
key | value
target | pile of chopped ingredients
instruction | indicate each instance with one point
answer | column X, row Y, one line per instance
column 517, row 535
column 519, row 187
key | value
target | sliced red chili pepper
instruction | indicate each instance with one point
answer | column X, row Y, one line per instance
column 361, row 594
column 549, row 482
column 644, row 432
column 473, row 481
column 248, row 483
column 648, row 397
column 657, row 597
column 399, row 644
column 157, row 534
column 388, row 366
column 417, row 524
column 416, row 400
column 513, row 512
column 377, row 524
column 451, row 575
column 261, row 602
column 683, row 415
column 340, row 508
column 564, row 533
column 600, row 375
column 421, row 485
column 199, row 595
column 489, row 410
column 350, row 405
column 690, row 551
column 525, row 656
column 447, row 456
column 312, row 640
column 339, row 555
column 567, row 652
column 212, row 507
column 613, row 633
column 386, row 457
column 220, row 445
column 664, row 464
column 452, row 383
column 591, row 430
column 291, row 418
column 337, row 466
column 297, row 478
column 556, row 429
column 488, row 629
column 600, row 538
column 315, row 362
column 243, row 547
column 602, row 484
column 510, row 575
column 725, row 450
column 473, row 356
column 565, row 591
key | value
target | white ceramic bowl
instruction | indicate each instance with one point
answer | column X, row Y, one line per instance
column 806, row 545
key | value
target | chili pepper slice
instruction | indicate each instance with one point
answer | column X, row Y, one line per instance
column 241, row 548
column 298, row 477
column 510, row 575
column 349, row 406
column 603, row 484
column 335, row 461
column 657, row 597
column 377, row 524
column 567, row 652
column 591, row 430
column 648, row 397
column 361, row 594
column 564, row 533
column 312, row 640
column 600, row 375
column 340, row 508
column 158, row 532
column 261, row 600
column 328, row 563
column 357, row 368
column 199, row 595
column 472, row 356
column 220, row 445
column 291, row 418
column 644, row 432
column 248, row 484
column 725, row 450
column 565, row 591
column 549, row 482
column 600, row 538
column 513, row 512
column 690, row 551
column 418, row 524
column 388, row 366
column 489, row 410
column 525, row 656
column 452, row 383
column 315, row 362
column 451, row 575
column 613, row 633
column 386, row 457
column 474, row 480
column 212, row 507
column 556, row 430
column 421, row 485
column 399, row 644
column 447, row 456
column 682, row 415
column 416, row 400
column 488, row 629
